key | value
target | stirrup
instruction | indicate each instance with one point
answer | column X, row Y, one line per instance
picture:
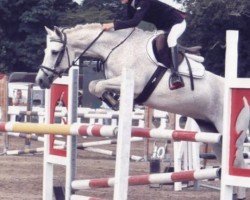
column 175, row 81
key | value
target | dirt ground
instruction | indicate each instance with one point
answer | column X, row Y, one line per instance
column 21, row 177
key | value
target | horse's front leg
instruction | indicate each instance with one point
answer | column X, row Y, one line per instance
column 107, row 91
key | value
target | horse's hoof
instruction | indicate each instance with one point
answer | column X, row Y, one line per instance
column 234, row 197
column 109, row 99
column 116, row 106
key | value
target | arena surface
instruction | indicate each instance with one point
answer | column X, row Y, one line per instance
column 21, row 177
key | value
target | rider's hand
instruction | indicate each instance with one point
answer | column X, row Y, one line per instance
column 107, row 26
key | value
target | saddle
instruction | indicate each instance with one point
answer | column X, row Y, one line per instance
column 186, row 56
column 190, row 64
column 192, row 50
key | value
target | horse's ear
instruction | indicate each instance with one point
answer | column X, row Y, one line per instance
column 49, row 31
column 58, row 32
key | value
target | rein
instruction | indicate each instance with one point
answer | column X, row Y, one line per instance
column 105, row 60
column 90, row 45
column 63, row 40
column 100, row 65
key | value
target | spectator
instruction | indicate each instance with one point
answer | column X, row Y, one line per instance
column 19, row 99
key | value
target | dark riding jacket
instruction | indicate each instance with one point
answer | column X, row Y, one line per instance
column 160, row 14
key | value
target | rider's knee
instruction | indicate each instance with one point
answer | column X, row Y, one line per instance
column 172, row 42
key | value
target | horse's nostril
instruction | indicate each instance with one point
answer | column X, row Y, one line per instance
column 51, row 78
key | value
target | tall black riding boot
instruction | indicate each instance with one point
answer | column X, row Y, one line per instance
column 175, row 80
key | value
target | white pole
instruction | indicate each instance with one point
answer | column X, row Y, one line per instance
column 71, row 140
column 124, row 135
column 47, row 166
column 230, row 75
column 177, row 146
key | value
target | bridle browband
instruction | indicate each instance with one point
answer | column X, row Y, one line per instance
column 63, row 40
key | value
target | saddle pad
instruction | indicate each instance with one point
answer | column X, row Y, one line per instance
column 198, row 68
column 150, row 49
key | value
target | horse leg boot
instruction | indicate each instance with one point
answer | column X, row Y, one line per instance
column 175, row 80
column 111, row 99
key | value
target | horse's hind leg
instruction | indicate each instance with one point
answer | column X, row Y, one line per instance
column 107, row 90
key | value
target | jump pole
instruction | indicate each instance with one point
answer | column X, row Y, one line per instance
column 236, row 90
column 124, row 136
column 48, row 168
column 160, row 178
column 72, row 140
column 109, row 131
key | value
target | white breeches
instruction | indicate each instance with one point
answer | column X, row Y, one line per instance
column 176, row 31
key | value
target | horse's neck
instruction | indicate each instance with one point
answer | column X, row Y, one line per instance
column 101, row 48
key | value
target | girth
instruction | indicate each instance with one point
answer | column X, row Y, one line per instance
column 151, row 85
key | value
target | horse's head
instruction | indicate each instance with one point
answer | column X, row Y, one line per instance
column 57, row 58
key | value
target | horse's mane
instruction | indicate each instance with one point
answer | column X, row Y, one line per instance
column 79, row 27
column 98, row 26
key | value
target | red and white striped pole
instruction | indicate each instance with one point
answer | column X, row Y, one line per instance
column 109, row 131
column 160, row 178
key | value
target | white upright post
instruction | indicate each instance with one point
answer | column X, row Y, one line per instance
column 180, row 152
column 195, row 150
column 236, row 90
column 71, row 140
column 47, row 166
column 124, row 135
column 230, row 75
column 194, row 153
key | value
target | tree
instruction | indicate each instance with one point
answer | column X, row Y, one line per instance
column 108, row 9
column 22, row 31
column 207, row 25
column 23, row 37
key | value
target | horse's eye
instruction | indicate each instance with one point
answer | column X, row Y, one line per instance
column 54, row 53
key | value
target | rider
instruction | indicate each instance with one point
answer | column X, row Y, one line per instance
column 164, row 17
